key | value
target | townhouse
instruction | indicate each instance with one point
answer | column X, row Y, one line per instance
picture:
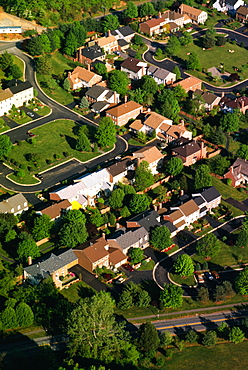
column 99, row 93
column 56, row 210
column 17, row 95
column 226, row 6
column 122, row 113
column 152, row 156
column 153, row 26
column 228, row 104
column 123, row 33
column 89, row 54
column 196, row 15
column 108, row 44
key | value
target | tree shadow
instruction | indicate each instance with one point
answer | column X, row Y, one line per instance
column 85, row 292
column 207, row 323
column 71, row 141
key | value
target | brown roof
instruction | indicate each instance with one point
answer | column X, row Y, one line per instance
column 189, row 207
column 132, row 64
column 5, row 94
column 172, row 15
column 181, row 223
column 154, row 120
column 119, row 167
column 149, row 154
column 116, row 256
column 175, row 215
column 54, row 210
column 102, row 41
column 173, row 25
column 164, row 127
column 190, row 10
column 154, row 22
column 121, row 110
column 243, row 10
column 187, row 149
column 187, row 83
column 83, row 74
column 96, row 251
column 175, row 131
column 136, row 125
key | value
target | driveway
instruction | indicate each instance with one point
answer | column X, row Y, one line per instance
column 88, row 278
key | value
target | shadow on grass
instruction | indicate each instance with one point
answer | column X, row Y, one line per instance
column 71, row 141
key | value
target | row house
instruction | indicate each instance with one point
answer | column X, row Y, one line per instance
column 125, row 239
column 196, row 15
column 81, row 77
column 134, row 68
column 161, row 75
column 17, row 95
column 56, row 210
column 177, row 18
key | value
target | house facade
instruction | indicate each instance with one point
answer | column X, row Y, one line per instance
column 242, row 14
column 196, row 15
column 126, row 239
column 17, row 95
column 134, row 68
column 228, row 105
column 238, row 172
column 152, row 156
column 226, row 6
column 210, row 100
column 89, row 54
column 153, row 26
column 16, row 204
column 161, row 76
column 99, row 93
column 82, row 77
column 190, row 151
column 122, row 113
column 123, row 33
column 109, row 44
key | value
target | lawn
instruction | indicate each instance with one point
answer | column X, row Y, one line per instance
column 135, row 142
column 223, row 356
column 54, row 143
column 22, row 120
column 20, row 64
column 77, row 291
column 228, row 191
column 148, row 266
column 26, row 179
column 188, row 280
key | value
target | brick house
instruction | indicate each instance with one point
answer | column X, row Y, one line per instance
column 238, row 172
column 89, row 54
column 153, row 26
column 55, row 210
column 81, row 77
column 196, row 15
column 190, row 84
column 119, row 170
column 190, row 151
column 242, row 14
column 122, row 113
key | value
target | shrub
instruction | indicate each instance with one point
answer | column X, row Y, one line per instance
column 65, row 154
column 48, row 161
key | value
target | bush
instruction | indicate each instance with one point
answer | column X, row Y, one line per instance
column 49, row 161
column 65, row 154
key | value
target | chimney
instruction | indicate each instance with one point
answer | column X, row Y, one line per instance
column 103, row 235
column 69, row 74
column 29, row 261
column 115, row 98
column 159, row 15
column 109, row 33
column 125, row 99
column 106, row 247
column 242, row 104
column 231, row 169
column 222, row 94
column 88, row 66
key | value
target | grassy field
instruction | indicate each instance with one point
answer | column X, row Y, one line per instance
column 77, row 290
column 188, row 280
column 228, row 191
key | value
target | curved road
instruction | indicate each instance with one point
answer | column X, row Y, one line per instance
column 59, row 111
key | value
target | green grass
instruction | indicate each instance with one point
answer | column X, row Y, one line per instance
column 188, row 280
column 228, row 191
column 223, row 356
column 44, row 110
column 20, row 64
column 22, row 120
column 77, row 290
column 49, row 245
column 135, row 142
column 148, row 266
column 27, row 179
column 235, row 211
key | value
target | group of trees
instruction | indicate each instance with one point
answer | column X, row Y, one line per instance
column 211, row 39
column 221, row 292
column 16, row 315
column 133, row 295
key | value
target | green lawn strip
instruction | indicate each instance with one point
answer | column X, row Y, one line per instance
column 20, row 64
column 37, row 335
column 77, row 290
column 222, row 356
column 135, row 142
column 228, row 191
column 4, row 128
column 204, row 231
column 148, row 266
column 174, row 249
column 233, row 146
column 48, row 244
column 43, row 111
column 235, row 211
column 22, row 120
column 27, row 179
column 187, row 280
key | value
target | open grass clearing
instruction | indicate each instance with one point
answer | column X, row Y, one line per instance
column 187, row 280
column 228, row 191
column 26, row 179
column 77, row 291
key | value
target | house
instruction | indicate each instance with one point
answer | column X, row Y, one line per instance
column 16, row 94
column 190, row 151
column 132, row 238
column 89, row 54
column 196, row 15
column 210, row 100
column 152, row 156
column 161, row 75
column 55, row 266
column 109, row 44
column 55, row 210
column 123, row 33
column 15, row 204
column 122, row 113
column 74, row 193
column 189, row 210
column 99, row 93
column 173, row 133
column 10, row 29
column 6, row 101
column 135, row 68
column 154, row 121
column 148, row 219
column 226, row 6
column 228, row 104
column 189, row 84
column 81, row 77
column 119, row 170
column 210, row 196
column 153, row 26
column 99, row 252
column 173, row 27
column 123, row 45
column 242, row 14
column 238, row 172
column 176, row 18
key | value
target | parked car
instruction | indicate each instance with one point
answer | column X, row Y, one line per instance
column 215, row 274
column 200, row 278
column 119, row 280
column 39, row 176
column 30, row 114
column 128, row 267
column 30, row 134
column 209, row 275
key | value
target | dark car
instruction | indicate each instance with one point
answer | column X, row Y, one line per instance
column 209, row 275
column 128, row 267
column 30, row 134
column 39, row 176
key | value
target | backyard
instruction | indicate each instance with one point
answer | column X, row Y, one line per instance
column 228, row 191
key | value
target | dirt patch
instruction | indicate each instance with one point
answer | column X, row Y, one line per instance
column 11, row 20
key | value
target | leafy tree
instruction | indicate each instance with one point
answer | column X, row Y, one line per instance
column 137, row 96
column 208, row 42
column 241, row 282
column 139, row 203
column 126, row 300
column 83, row 143
column 193, row 62
column 220, row 40
column 177, row 72
column 73, row 230
column 171, row 296
column 124, row 212
column 136, row 255
column 131, row 11
column 142, row 137
column 184, row 265
column 208, row 246
column 161, row 238
column 6, row 60
column 8, row 318
column 15, row 71
column 27, row 247
column 71, row 44
column 44, row 65
column 116, row 198
column 128, row 189
column 220, row 294
column 227, row 286
column 11, row 235
column 10, row 302
column 146, row 9
column 7, row 221
column 106, row 133
column 236, row 335
column 173, row 46
column 24, row 315
column 84, row 103
column 148, row 84
column 168, row 104
column 5, row 145
column 192, row 336
column 94, row 332
column 174, row 166
column 179, row 92
column 143, row 176
column 165, row 338
column 112, row 219
column 110, row 22
column 242, row 239
column 229, row 122
column 148, row 338
column 45, row 42
column 42, row 227
column 219, row 165
column 118, row 81
column 209, row 338
column 66, row 85
column 143, row 299
column 242, row 152
column 100, row 69
column 203, row 294
column 95, row 216
column 202, row 177
column 186, row 39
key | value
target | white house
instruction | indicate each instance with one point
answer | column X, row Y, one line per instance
column 135, row 68
column 161, row 75
column 11, row 29
column 15, row 95
column 225, row 6
column 15, row 204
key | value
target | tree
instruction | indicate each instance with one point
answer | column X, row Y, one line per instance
column 44, row 65
column 66, row 85
column 94, row 332
column 136, row 255
column 112, row 219
column 203, row 178
column 11, row 235
column 171, row 296
column 106, row 133
column 193, row 62
column 71, row 44
column 161, row 238
column 126, row 300
column 165, row 338
column 220, row 40
column 242, row 152
column 208, row 42
column 177, row 72
column 227, row 286
column 100, row 68
column 174, row 166
column 7, row 221
column 209, row 338
column 143, row 176
column 186, row 39
column 131, row 11
column 173, row 46
column 6, row 60
column 236, row 335
column 148, row 339
column 229, row 122
column 203, row 294
column 5, row 145
column 118, row 81
column 73, row 230
column 179, row 92
column 24, row 315
column 83, row 143
column 219, row 165
column 8, row 318
column 139, row 203
column 42, row 227
column 242, row 239
column 146, row 9
column 110, row 22
column 148, row 84
column 192, row 336
column 116, row 198
column 95, row 216
column 84, row 103
column 184, row 265
column 15, row 71
column 45, row 43
column 168, row 104
column 241, row 282
column 220, row 294
column 27, row 247
column 208, row 246
column 143, row 298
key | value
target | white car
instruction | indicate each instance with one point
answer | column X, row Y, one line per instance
column 200, row 278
